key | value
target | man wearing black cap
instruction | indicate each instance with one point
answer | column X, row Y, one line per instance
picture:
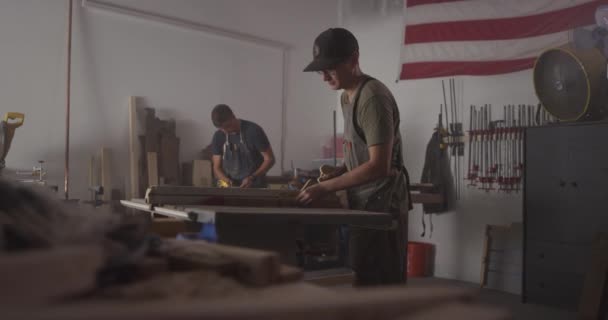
column 373, row 173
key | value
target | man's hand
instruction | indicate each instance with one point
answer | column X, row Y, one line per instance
column 310, row 194
column 247, row 182
column 330, row 172
column 224, row 183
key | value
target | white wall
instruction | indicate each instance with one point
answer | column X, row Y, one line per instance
column 181, row 73
column 458, row 235
column 184, row 73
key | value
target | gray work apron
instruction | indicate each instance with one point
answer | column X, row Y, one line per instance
column 378, row 257
column 238, row 163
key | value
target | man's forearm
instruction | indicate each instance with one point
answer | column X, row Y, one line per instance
column 220, row 175
column 362, row 174
column 264, row 167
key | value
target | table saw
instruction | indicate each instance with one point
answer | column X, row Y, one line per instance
column 278, row 229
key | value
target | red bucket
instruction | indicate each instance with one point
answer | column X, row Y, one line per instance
column 419, row 257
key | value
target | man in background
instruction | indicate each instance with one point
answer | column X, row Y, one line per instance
column 242, row 154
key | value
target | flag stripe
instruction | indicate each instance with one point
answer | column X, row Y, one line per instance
column 486, row 37
column 486, row 9
column 421, row 70
column 497, row 29
column 413, row 3
column 481, row 50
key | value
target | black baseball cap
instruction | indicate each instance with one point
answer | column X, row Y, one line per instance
column 331, row 47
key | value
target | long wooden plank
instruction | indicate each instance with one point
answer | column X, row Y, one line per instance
column 134, row 149
column 93, row 171
column 152, row 169
column 179, row 195
column 186, row 174
column 204, row 191
column 41, row 276
column 152, row 130
column 169, row 159
column 106, row 173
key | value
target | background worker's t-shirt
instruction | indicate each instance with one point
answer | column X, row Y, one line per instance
column 254, row 136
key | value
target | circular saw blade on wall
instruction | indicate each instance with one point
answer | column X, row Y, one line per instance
column 571, row 83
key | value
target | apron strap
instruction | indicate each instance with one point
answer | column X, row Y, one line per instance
column 358, row 129
column 226, row 145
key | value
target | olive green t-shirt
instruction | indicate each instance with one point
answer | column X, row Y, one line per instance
column 377, row 115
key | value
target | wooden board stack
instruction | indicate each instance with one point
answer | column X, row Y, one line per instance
column 154, row 149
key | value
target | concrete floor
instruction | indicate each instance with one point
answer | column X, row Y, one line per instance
column 511, row 302
column 505, row 300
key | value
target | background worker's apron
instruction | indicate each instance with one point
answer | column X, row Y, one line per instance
column 238, row 163
column 377, row 256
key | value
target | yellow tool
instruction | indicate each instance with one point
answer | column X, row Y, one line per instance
column 223, row 184
column 11, row 121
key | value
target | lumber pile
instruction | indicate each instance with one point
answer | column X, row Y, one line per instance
column 180, row 195
column 154, row 149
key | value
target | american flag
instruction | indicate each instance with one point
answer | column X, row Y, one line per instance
column 486, row 37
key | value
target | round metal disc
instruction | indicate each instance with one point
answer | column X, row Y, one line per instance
column 561, row 85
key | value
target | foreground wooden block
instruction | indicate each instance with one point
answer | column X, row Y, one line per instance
column 43, row 276
column 253, row 267
column 296, row 301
